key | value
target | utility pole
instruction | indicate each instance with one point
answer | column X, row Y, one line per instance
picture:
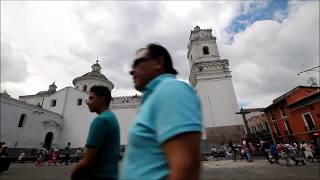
column 243, row 113
column 313, row 79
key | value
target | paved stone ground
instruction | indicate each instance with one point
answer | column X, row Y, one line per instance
column 260, row 169
column 215, row 170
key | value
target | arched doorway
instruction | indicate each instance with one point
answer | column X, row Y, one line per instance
column 48, row 140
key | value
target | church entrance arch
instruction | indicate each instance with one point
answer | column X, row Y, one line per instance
column 48, row 140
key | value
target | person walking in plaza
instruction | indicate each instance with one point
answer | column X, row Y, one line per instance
column 78, row 154
column 265, row 147
column 55, row 156
column 100, row 159
column 247, row 152
column 67, row 152
column 40, row 158
column 164, row 140
column 274, row 153
column 50, row 156
column 233, row 150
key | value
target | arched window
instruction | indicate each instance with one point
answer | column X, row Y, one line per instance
column 205, row 50
column 84, row 88
column 22, row 120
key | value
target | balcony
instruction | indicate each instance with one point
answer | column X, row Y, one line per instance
column 307, row 129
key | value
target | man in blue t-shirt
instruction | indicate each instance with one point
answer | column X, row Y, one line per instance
column 164, row 140
column 100, row 159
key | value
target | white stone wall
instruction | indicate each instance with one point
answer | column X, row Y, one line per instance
column 77, row 119
column 219, row 102
column 126, row 116
column 45, row 101
column 59, row 96
column 33, row 132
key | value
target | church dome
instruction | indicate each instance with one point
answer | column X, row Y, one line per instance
column 95, row 77
column 95, row 74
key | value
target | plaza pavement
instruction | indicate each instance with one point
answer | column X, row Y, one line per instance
column 259, row 169
column 215, row 170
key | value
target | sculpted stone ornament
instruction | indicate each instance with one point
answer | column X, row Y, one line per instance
column 126, row 99
column 216, row 67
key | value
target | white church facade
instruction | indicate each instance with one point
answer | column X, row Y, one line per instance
column 54, row 118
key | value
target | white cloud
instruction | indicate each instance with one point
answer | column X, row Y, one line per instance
column 266, row 57
column 13, row 64
column 61, row 40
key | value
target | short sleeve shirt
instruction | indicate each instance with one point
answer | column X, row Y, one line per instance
column 105, row 137
column 169, row 107
column 67, row 150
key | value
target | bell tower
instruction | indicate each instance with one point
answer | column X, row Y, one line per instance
column 202, row 46
column 212, row 79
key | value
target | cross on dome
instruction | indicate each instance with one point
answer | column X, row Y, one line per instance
column 96, row 67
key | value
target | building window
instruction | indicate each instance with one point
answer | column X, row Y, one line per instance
column 22, row 120
column 308, row 121
column 205, row 50
column 84, row 88
column 283, row 113
column 79, row 102
column 53, row 103
column 286, row 123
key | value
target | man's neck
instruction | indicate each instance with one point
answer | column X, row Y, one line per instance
column 102, row 110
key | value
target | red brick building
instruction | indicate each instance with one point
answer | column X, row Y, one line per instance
column 295, row 115
column 256, row 126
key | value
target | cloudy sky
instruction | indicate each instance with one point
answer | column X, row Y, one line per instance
column 267, row 43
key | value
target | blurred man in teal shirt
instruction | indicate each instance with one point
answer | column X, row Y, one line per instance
column 164, row 140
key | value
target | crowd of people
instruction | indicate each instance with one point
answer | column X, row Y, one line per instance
column 294, row 151
column 233, row 152
column 54, row 157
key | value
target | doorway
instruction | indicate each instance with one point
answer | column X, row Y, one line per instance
column 48, row 140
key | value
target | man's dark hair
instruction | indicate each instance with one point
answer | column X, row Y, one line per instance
column 102, row 91
column 156, row 50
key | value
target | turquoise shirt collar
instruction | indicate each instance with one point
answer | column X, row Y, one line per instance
column 152, row 85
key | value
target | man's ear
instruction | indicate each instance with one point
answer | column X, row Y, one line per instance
column 160, row 64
